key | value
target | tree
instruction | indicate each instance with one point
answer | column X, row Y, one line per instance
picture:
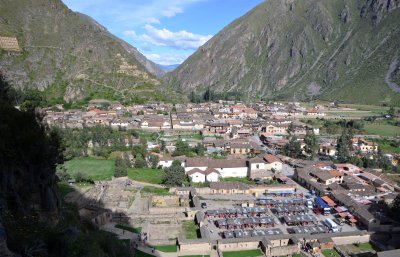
column 140, row 162
column 343, row 147
column 163, row 145
column 199, row 149
column 121, row 170
column 311, row 142
column 174, row 175
column 290, row 128
column 62, row 174
column 182, row 148
column 154, row 161
column 293, row 148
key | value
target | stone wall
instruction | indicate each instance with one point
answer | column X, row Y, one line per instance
column 238, row 246
column 166, row 210
column 195, row 246
column 344, row 240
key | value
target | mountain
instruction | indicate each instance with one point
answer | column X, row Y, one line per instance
column 344, row 50
column 71, row 57
column 168, row 68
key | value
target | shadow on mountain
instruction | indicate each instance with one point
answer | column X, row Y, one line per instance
column 34, row 220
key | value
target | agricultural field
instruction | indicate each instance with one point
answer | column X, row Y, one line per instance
column 153, row 176
column 384, row 130
column 94, row 168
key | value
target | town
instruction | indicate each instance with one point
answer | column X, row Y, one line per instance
column 232, row 178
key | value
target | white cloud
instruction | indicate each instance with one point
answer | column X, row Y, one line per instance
column 171, row 11
column 152, row 20
column 167, row 59
column 164, row 37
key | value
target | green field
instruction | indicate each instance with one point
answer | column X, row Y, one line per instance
column 148, row 190
column 247, row 253
column 64, row 188
column 363, row 107
column 330, row 253
column 147, row 175
column 190, row 229
column 386, row 146
column 139, row 253
column 129, row 228
column 243, row 180
column 167, row 248
column 96, row 169
column 382, row 129
column 194, row 255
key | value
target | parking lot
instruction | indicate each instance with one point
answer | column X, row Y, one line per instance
column 289, row 216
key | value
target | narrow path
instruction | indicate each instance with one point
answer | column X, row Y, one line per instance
column 391, row 84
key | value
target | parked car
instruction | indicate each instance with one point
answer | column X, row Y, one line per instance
column 339, row 221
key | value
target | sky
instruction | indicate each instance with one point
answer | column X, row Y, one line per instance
column 165, row 31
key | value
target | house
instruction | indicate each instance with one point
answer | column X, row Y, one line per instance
column 197, row 176
column 242, row 147
column 346, row 168
column 327, row 150
column 256, row 163
column 364, row 146
column 272, row 162
column 275, row 129
column 201, row 176
column 166, row 162
column 226, row 168
column 327, row 177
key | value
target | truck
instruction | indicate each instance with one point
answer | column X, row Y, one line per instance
column 331, row 225
column 309, row 204
column 322, row 206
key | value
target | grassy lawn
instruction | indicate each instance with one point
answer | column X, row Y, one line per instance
column 243, row 180
column 330, row 253
column 129, row 228
column 382, row 129
column 190, row 229
column 148, row 190
column 142, row 254
column 194, row 256
column 167, row 248
column 365, row 246
column 96, row 169
column 64, row 188
column 296, row 255
column 147, row 175
column 247, row 253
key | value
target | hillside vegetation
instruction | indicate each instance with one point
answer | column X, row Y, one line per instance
column 304, row 49
column 70, row 57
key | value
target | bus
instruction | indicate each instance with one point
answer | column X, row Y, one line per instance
column 321, row 204
column 331, row 225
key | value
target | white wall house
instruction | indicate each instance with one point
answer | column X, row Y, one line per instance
column 166, row 162
column 273, row 162
column 197, row 176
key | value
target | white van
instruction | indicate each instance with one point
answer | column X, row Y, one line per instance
column 332, row 225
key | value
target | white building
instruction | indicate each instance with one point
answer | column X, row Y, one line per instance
column 273, row 162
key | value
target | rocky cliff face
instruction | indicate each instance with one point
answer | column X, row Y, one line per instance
column 305, row 48
column 70, row 56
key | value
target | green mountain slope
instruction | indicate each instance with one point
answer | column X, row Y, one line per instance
column 71, row 57
column 336, row 49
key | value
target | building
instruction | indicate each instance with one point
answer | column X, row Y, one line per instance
column 272, row 162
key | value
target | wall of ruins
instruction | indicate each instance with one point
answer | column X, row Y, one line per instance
column 238, row 246
column 195, row 246
column 344, row 240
